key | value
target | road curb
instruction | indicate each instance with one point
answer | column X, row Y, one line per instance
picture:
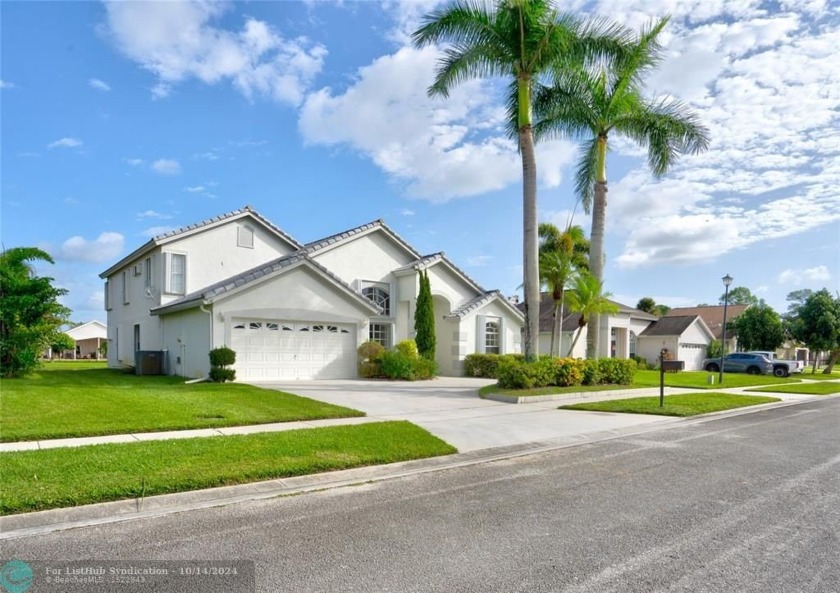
column 41, row 522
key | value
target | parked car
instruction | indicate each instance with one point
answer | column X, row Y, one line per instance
column 781, row 368
column 741, row 362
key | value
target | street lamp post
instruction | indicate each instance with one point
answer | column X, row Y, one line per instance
column 727, row 280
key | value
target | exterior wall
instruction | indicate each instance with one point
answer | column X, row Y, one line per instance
column 212, row 255
column 693, row 344
column 466, row 340
column 565, row 344
column 446, row 283
column 186, row 338
column 649, row 347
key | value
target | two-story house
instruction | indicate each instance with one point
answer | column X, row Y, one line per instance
column 291, row 310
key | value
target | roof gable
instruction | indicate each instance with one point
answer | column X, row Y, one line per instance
column 439, row 258
column 334, row 241
column 712, row 316
column 204, row 225
column 480, row 301
column 91, row 329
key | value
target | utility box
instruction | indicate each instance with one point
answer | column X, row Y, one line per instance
column 150, row 362
column 672, row 366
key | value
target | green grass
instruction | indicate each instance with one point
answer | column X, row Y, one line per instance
column 818, row 376
column 804, row 388
column 51, row 478
column 675, row 405
column 488, row 389
column 699, row 379
column 83, row 399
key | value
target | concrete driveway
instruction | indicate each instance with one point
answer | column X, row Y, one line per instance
column 449, row 407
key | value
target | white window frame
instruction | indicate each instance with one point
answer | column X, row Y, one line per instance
column 387, row 339
column 245, row 236
column 383, row 286
column 493, row 333
column 170, row 288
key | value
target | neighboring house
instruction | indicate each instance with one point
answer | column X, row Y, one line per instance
column 619, row 332
column 289, row 310
column 88, row 337
column 686, row 337
column 712, row 316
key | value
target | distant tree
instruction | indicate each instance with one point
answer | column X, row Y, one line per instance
column 740, row 295
column 714, row 349
column 661, row 310
column 818, row 325
column 758, row 328
column 705, row 305
column 795, row 301
column 424, row 318
column 30, row 313
column 587, row 299
column 61, row 342
column 646, row 304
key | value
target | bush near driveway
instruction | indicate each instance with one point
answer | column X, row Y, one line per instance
column 82, row 399
column 562, row 372
column 402, row 363
column 51, row 478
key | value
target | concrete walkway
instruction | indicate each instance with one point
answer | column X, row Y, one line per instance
column 448, row 407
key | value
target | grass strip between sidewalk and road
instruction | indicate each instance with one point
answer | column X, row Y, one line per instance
column 66, row 400
column 63, row 477
column 803, row 388
column 690, row 404
column 552, row 390
column 700, row 380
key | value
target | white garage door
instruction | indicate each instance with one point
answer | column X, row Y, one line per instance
column 272, row 350
column 693, row 355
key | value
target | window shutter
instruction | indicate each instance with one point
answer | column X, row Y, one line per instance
column 481, row 334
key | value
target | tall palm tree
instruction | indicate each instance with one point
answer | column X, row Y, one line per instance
column 586, row 299
column 592, row 104
column 561, row 254
column 524, row 41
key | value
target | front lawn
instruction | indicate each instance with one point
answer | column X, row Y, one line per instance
column 51, row 478
column 551, row 390
column 81, row 399
column 819, row 376
column 675, row 405
column 699, row 379
column 804, row 388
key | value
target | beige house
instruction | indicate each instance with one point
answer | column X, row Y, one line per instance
column 89, row 337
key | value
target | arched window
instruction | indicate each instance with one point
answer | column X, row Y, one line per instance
column 491, row 337
column 379, row 295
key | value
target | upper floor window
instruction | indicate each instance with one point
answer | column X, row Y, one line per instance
column 492, row 334
column 379, row 294
column 245, row 237
column 176, row 273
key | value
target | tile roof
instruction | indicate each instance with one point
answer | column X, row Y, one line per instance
column 570, row 320
column 711, row 315
column 320, row 244
column 669, row 326
column 421, row 263
column 228, row 284
column 478, row 302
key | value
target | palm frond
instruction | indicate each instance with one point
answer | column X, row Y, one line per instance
column 465, row 62
column 642, row 55
column 585, row 173
column 565, row 109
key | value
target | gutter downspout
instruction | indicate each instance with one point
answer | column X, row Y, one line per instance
column 202, row 308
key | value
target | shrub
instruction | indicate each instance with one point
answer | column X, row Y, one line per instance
column 514, row 373
column 591, row 372
column 398, row 366
column 220, row 358
column 370, row 351
column 641, row 363
column 424, row 368
column 369, row 370
column 481, row 365
column 408, row 348
column 616, row 371
column 567, row 371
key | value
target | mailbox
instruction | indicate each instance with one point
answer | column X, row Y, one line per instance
column 672, row 366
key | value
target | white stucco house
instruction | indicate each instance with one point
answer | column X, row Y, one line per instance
column 686, row 337
column 291, row 310
column 88, row 337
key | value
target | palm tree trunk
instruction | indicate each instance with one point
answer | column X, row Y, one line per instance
column 577, row 335
column 529, row 223
column 596, row 245
column 555, row 319
column 558, row 329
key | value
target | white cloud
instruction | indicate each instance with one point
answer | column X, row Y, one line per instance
column 210, row 155
column 135, row 162
column 65, row 143
column 809, row 275
column 106, row 247
column 5, row 84
column 407, row 212
column 152, row 214
column 99, row 85
column 195, row 189
column 177, row 41
column 166, row 166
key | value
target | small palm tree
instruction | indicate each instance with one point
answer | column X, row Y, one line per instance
column 605, row 99
column 586, row 299
column 523, row 41
column 562, row 254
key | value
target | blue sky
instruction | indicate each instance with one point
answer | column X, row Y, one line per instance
column 122, row 120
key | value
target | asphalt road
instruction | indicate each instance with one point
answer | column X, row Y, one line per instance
column 744, row 504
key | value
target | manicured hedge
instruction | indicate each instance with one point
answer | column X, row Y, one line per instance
column 485, row 365
column 402, row 363
column 563, row 372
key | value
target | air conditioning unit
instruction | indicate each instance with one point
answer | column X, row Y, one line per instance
column 150, row 362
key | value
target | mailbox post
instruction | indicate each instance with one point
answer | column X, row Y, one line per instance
column 670, row 366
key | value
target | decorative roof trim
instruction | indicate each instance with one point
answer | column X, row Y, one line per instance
column 337, row 239
column 188, row 230
column 479, row 302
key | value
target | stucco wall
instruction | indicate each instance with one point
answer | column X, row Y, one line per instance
column 186, row 338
